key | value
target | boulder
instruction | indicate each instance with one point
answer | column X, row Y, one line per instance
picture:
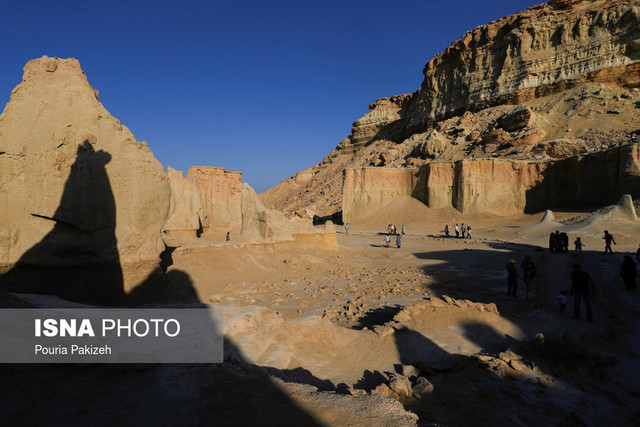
column 421, row 387
column 517, row 118
column 401, row 385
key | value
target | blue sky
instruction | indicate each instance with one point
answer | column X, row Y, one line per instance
column 265, row 87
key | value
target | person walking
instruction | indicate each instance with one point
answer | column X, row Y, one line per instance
column 628, row 273
column 608, row 238
column 581, row 288
column 528, row 271
column 469, row 232
column 387, row 239
column 227, row 238
column 512, row 277
column 446, row 234
column 463, row 230
column 579, row 245
column 403, row 229
column 457, row 229
column 346, row 228
column 399, row 240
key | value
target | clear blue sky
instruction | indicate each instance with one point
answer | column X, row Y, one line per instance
column 265, row 87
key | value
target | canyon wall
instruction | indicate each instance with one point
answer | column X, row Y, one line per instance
column 540, row 50
column 221, row 192
column 369, row 189
column 499, row 186
column 574, row 64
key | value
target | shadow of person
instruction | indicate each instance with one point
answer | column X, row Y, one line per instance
column 413, row 346
column 235, row 392
column 78, row 259
column 486, row 337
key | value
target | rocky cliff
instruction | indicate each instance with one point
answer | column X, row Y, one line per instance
column 554, row 81
column 221, row 191
column 541, row 50
column 498, row 186
column 77, row 191
column 69, row 167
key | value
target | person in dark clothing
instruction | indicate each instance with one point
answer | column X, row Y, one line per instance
column 512, row 277
column 227, row 238
column 628, row 273
column 581, row 288
column 608, row 238
column 553, row 243
column 564, row 242
column 528, row 271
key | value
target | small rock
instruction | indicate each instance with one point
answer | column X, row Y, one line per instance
column 385, row 391
column 421, row 387
column 401, row 385
column 410, row 371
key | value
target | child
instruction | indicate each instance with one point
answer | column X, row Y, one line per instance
column 562, row 299
column 579, row 245
column 387, row 240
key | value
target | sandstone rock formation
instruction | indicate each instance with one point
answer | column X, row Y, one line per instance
column 498, row 186
column 541, row 50
column 209, row 197
column 554, row 81
column 77, row 191
column 187, row 210
column 68, row 167
column 221, row 191
column 260, row 224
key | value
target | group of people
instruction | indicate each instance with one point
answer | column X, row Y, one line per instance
column 391, row 229
column 559, row 243
column 528, row 272
column 464, row 229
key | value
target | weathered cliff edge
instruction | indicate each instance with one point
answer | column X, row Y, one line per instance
column 498, row 186
column 532, row 53
column 76, row 188
column 574, row 64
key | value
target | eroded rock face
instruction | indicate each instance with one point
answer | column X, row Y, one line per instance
column 541, row 50
column 498, row 186
column 76, row 188
column 383, row 119
column 369, row 189
column 187, row 209
column 260, row 223
column 221, row 192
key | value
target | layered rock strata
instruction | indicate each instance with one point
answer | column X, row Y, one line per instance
column 541, row 50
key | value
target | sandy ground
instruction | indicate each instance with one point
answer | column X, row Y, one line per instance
column 312, row 333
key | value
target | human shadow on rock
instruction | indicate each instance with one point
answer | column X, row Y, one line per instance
column 78, row 259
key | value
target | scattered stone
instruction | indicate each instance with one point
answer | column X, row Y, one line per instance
column 421, row 387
